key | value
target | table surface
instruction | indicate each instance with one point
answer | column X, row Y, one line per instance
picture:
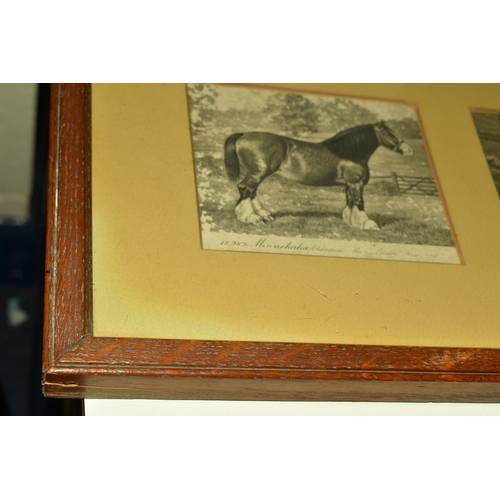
column 117, row 407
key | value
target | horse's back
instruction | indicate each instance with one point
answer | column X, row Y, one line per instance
column 262, row 141
column 263, row 149
column 264, row 153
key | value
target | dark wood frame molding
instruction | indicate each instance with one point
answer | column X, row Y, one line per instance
column 77, row 365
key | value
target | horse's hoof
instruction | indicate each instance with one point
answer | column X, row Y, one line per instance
column 371, row 225
column 347, row 215
column 254, row 219
column 266, row 216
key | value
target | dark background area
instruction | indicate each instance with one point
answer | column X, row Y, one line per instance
column 22, row 257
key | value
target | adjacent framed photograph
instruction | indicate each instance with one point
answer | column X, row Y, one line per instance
column 487, row 124
column 276, row 242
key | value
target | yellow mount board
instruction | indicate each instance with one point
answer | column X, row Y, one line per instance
column 152, row 279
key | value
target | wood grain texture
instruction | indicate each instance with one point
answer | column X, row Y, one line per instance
column 265, row 355
column 77, row 365
column 68, row 312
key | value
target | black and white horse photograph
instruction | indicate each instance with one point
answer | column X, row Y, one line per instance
column 296, row 171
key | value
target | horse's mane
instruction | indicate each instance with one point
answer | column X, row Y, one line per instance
column 355, row 144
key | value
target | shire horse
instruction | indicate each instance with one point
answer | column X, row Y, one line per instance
column 340, row 160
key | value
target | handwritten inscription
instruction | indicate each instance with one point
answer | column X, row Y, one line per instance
column 304, row 247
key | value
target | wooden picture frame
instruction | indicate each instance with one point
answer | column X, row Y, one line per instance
column 78, row 365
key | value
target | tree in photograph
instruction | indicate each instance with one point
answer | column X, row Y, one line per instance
column 341, row 114
column 406, row 127
column 292, row 114
column 203, row 105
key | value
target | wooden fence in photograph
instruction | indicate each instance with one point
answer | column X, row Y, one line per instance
column 407, row 184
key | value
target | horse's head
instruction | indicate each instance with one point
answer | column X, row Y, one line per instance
column 390, row 140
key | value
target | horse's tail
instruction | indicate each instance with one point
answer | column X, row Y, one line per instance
column 231, row 157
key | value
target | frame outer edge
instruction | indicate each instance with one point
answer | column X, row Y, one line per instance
column 50, row 274
column 69, row 155
column 65, row 329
